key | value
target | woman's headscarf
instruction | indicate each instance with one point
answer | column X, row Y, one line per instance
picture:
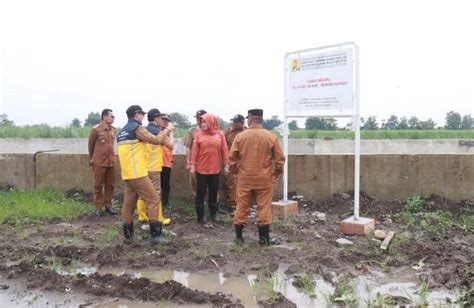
column 212, row 124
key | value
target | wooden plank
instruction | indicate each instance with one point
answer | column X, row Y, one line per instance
column 387, row 240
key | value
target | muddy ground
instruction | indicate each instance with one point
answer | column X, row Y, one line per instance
column 444, row 254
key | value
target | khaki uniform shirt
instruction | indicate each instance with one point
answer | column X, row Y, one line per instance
column 255, row 150
column 189, row 139
column 101, row 145
column 230, row 135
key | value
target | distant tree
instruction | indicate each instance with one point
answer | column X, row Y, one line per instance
column 453, row 120
column 293, row 125
column 428, row 124
column 4, row 120
column 403, row 124
column 76, row 122
column 180, row 119
column 467, row 122
column 321, row 123
column 222, row 123
column 370, row 124
column 271, row 123
column 92, row 119
column 392, row 123
column 413, row 123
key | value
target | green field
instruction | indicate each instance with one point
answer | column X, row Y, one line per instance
column 19, row 207
column 44, row 131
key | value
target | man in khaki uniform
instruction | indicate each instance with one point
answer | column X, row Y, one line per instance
column 132, row 146
column 229, row 183
column 251, row 157
column 188, row 143
column 102, row 160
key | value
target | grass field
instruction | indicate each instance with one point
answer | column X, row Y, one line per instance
column 19, row 207
column 44, row 131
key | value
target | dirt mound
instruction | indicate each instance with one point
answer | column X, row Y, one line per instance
column 117, row 286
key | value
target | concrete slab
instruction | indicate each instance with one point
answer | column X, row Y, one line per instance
column 284, row 209
column 361, row 226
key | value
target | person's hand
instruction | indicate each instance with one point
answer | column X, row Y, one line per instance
column 170, row 126
column 226, row 169
column 275, row 179
column 91, row 162
column 188, row 166
column 192, row 170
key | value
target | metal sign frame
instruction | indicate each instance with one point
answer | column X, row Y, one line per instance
column 355, row 114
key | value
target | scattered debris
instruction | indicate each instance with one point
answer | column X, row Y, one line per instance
column 380, row 234
column 377, row 241
column 418, row 266
column 343, row 241
column 4, row 287
column 387, row 240
column 319, row 216
column 317, row 235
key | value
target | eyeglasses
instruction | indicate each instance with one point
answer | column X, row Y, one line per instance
column 112, row 116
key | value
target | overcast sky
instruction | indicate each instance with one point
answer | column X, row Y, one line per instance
column 63, row 59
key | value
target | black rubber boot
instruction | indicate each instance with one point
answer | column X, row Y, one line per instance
column 156, row 232
column 128, row 233
column 213, row 209
column 200, row 214
column 238, row 234
column 264, row 235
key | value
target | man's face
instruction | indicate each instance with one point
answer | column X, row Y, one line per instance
column 164, row 123
column 109, row 118
column 237, row 125
column 139, row 117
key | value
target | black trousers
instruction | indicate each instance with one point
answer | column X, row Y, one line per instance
column 165, row 185
column 206, row 182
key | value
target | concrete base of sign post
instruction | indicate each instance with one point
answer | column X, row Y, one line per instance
column 284, row 209
column 361, row 226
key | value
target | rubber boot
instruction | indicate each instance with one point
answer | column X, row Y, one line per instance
column 264, row 236
column 161, row 218
column 200, row 214
column 213, row 209
column 238, row 234
column 128, row 233
column 156, row 232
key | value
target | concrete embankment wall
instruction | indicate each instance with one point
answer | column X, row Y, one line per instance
column 385, row 176
column 296, row 146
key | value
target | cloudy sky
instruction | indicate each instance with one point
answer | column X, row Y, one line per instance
column 63, row 59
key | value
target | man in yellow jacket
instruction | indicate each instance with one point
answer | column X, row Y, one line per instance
column 131, row 142
column 154, row 162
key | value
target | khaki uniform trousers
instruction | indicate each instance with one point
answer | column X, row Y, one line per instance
column 143, row 188
column 155, row 178
column 245, row 196
column 104, row 179
column 229, row 190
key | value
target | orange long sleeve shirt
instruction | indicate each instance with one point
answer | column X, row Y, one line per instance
column 252, row 154
column 209, row 152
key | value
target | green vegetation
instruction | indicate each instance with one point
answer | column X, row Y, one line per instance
column 45, row 131
column 435, row 221
column 309, row 285
column 263, row 288
column 384, row 134
column 19, row 207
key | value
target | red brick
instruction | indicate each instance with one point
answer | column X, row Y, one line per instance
column 284, row 209
column 362, row 226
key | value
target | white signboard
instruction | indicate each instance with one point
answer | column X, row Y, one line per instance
column 320, row 82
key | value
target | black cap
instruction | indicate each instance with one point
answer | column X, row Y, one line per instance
column 165, row 116
column 134, row 109
column 255, row 112
column 152, row 114
column 200, row 113
column 238, row 118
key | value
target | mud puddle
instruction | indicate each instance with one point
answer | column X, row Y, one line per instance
column 400, row 285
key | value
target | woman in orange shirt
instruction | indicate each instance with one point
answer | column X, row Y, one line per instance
column 208, row 154
column 167, row 163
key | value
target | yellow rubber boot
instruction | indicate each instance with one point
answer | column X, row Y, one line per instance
column 141, row 209
column 163, row 220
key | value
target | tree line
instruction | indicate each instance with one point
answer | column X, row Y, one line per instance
column 453, row 121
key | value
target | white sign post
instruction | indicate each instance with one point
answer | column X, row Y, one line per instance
column 323, row 82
